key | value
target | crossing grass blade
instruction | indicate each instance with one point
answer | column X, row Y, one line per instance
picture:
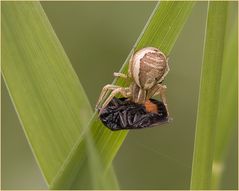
column 208, row 105
column 46, row 92
column 162, row 31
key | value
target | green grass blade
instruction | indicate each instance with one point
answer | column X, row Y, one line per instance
column 209, row 99
column 161, row 31
column 227, row 112
column 50, row 101
column 44, row 88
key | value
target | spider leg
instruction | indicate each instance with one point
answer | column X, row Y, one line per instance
column 116, row 74
column 104, row 91
column 167, row 70
column 161, row 92
column 125, row 92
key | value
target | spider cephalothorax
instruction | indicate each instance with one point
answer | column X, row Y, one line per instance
column 147, row 69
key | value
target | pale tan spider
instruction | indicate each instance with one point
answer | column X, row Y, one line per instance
column 147, row 69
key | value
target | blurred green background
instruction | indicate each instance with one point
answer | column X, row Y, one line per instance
column 97, row 37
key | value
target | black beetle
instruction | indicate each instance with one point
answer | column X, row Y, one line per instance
column 123, row 114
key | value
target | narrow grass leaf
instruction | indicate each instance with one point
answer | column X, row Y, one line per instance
column 227, row 111
column 208, row 99
column 162, row 30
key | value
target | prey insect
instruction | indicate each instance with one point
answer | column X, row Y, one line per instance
column 147, row 69
column 122, row 114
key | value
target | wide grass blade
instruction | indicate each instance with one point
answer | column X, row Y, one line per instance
column 209, row 100
column 45, row 90
column 162, row 30
column 227, row 111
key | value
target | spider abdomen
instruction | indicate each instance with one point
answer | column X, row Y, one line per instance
column 148, row 67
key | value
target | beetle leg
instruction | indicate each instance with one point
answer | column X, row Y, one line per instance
column 125, row 92
column 142, row 122
column 104, row 91
column 123, row 119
